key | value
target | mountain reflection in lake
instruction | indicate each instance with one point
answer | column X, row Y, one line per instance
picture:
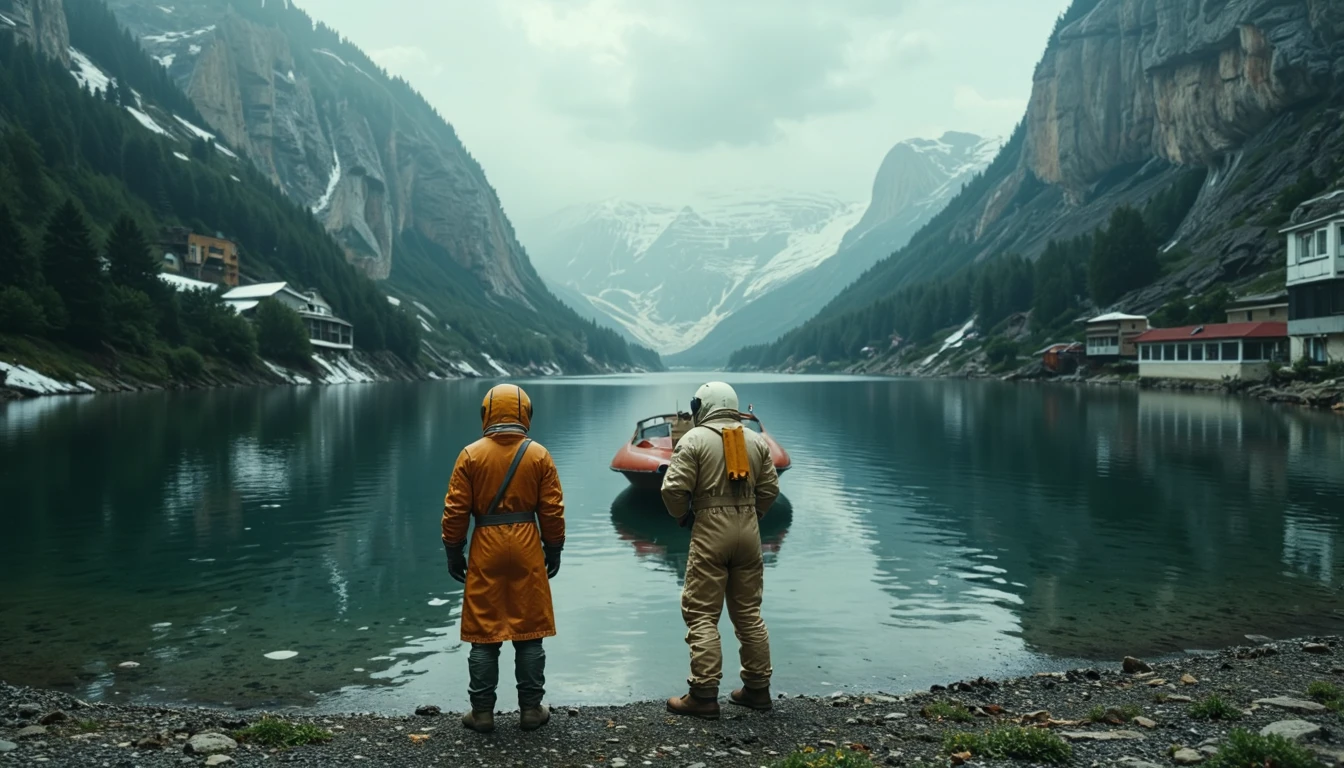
column 929, row 530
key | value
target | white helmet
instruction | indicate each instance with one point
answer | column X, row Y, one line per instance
column 711, row 400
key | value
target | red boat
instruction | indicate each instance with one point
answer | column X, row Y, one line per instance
column 644, row 459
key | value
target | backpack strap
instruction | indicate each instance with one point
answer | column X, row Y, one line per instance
column 488, row 517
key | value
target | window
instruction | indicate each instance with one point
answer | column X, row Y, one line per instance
column 1168, row 351
column 1306, row 246
column 1145, row 352
column 1182, row 352
column 1314, row 350
column 1197, row 352
column 1211, row 351
column 1252, row 350
column 1231, row 351
column 1322, row 236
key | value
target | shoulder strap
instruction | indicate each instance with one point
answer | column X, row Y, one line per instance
column 508, row 478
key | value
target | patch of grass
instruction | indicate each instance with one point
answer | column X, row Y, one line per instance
column 87, row 726
column 1245, row 749
column 808, row 757
column 1328, row 694
column 1213, row 708
column 947, row 710
column 1123, row 714
column 1161, row 697
column 270, row 732
column 1034, row 744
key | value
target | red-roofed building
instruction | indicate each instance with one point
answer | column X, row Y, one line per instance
column 1216, row 351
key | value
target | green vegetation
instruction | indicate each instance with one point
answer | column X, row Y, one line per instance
column 280, row 734
column 87, row 726
column 808, row 757
column 1245, row 749
column 947, row 710
column 1014, row 743
column 281, row 334
column 1123, row 714
column 1214, row 708
column 1124, row 257
column 1209, row 308
column 1328, row 694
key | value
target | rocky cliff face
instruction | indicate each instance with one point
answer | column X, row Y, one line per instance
column 40, row 23
column 1185, row 81
column 331, row 129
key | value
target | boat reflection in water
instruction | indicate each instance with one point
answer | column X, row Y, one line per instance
column 641, row 519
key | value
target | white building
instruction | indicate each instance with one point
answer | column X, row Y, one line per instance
column 1113, row 334
column 1214, row 352
column 1315, row 249
column 325, row 329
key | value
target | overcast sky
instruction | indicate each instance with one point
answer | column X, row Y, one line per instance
column 571, row 101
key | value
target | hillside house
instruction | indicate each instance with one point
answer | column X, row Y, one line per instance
column 325, row 329
column 212, row 259
column 1062, row 358
column 1214, row 352
column 1261, row 308
column 1315, row 250
column 1112, row 335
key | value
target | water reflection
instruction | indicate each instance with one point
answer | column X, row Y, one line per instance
column 981, row 528
column 640, row 518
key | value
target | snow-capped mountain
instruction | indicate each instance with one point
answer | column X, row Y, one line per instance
column 680, row 279
column 668, row 275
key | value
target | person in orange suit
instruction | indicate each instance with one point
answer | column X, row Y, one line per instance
column 508, row 483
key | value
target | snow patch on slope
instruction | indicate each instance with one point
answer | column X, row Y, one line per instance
column 148, row 122
column 25, row 379
column 89, row 76
column 954, row 341
column 341, row 371
column 172, row 37
column 332, row 181
column 501, row 370
column 196, row 131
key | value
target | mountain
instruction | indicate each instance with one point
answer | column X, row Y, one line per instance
column 1214, row 118
column 915, row 181
column 383, row 172
column 697, row 281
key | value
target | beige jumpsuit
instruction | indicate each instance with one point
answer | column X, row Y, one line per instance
column 725, row 557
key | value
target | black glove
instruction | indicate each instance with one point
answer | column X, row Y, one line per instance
column 552, row 560
column 457, row 561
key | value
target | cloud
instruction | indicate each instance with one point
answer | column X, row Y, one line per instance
column 970, row 101
column 698, row 74
column 408, row 61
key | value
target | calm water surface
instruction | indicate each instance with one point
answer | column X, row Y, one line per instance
column 929, row 530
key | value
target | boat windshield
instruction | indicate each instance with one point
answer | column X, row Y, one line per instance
column 752, row 424
column 655, row 427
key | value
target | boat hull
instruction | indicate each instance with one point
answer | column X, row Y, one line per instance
column 644, row 461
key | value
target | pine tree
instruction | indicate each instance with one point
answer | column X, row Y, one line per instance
column 18, row 263
column 70, row 265
column 1124, row 257
column 130, row 260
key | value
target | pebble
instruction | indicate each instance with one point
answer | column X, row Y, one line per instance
column 827, row 743
column 209, row 744
column 52, row 718
column 1316, row 648
column 128, row 665
column 1145, row 722
column 896, row 716
column 617, row 762
column 1293, row 730
column 428, row 710
column 29, row 710
column 30, row 731
column 1178, row 699
column 1187, row 756
column 7, row 746
column 1188, row 679
column 218, row 760
column 1292, row 705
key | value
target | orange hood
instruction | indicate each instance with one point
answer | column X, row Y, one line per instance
column 506, row 408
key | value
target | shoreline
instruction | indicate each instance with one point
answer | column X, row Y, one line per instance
column 1131, row 714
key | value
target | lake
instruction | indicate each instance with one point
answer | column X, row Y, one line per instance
column 928, row 531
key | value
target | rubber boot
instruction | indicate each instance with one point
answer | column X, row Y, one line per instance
column 691, row 705
column 480, row 722
column 532, row 718
column 752, row 698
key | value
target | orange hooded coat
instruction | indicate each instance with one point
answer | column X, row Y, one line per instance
column 508, row 596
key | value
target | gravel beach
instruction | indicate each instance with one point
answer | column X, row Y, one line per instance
column 1144, row 714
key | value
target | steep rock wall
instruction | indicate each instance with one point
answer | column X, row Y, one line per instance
column 40, row 23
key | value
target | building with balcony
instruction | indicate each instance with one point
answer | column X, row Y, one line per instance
column 1112, row 335
column 1259, row 308
column 1215, row 352
column 325, row 329
column 1315, row 250
column 201, row 257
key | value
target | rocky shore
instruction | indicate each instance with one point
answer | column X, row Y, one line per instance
column 1178, row 712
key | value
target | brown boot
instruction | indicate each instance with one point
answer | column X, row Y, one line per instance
column 752, row 698
column 532, row 718
column 480, row 722
column 691, row 705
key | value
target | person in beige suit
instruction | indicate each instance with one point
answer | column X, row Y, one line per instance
column 722, row 481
